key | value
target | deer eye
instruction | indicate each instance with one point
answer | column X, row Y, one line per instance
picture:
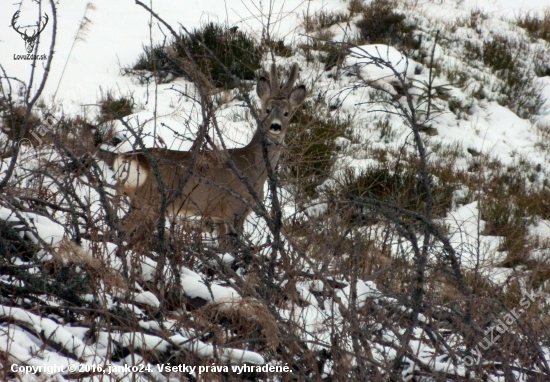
column 267, row 111
column 286, row 113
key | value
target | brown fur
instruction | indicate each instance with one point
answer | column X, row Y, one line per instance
column 210, row 191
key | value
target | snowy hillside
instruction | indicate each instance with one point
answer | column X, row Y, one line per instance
column 404, row 235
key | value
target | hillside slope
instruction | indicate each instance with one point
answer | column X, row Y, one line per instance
column 404, row 236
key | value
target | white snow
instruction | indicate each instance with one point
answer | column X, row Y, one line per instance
column 88, row 67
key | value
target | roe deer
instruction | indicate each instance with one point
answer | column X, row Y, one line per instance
column 210, row 190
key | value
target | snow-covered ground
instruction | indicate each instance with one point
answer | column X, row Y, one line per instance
column 95, row 40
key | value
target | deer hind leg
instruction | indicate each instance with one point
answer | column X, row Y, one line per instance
column 230, row 234
column 133, row 180
column 138, row 225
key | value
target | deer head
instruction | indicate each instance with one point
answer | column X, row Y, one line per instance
column 30, row 40
column 279, row 103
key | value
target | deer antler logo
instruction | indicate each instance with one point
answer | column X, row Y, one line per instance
column 30, row 40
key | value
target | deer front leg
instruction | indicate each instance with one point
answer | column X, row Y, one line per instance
column 230, row 235
column 226, row 237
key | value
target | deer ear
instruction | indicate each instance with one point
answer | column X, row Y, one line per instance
column 263, row 89
column 297, row 96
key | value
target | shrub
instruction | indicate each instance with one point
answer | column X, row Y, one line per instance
column 230, row 47
column 497, row 55
column 401, row 186
column 506, row 58
column 472, row 51
column 152, row 58
column 322, row 38
column 11, row 122
column 112, row 108
column 382, row 25
column 312, row 147
column 280, row 48
column 477, row 16
column 235, row 50
column 510, row 57
column 537, row 27
column 511, row 202
column 356, row 6
column 503, row 218
column 334, row 54
column 518, row 91
column 323, row 20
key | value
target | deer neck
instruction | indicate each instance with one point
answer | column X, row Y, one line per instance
column 255, row 148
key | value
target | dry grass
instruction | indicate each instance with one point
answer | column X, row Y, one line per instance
column 356, row 6
column 538, row 26
column 380, row 24
column 12, row 122
column 323, row 20
column 246, row 318
column 68, row 253
column 510, row 201
column 113, row 108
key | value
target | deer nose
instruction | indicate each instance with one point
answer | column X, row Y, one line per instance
column 276, row 126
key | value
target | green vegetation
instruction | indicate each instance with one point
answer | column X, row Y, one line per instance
column 334, row 54
column 324, row 19
column 281, row 49
column 312, row 146
column 519, row 92
column 382, row 25
column 12, row 121
column 399, row 186
column 511, row 203
column 537, row 26
column 152, row 58
column 112, row 108
column 212, row 47
column 498, row 56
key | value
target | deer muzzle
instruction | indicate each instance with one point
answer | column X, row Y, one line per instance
column 275, row 127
